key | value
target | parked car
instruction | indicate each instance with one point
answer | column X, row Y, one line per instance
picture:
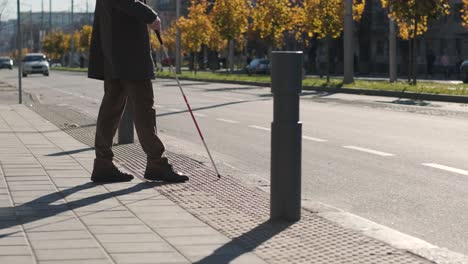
column 6, row 63
column 464, row 71
column 35, row 63
column 258, row 66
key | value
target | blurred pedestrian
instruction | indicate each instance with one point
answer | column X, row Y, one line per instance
column 430, row 59
column 120, row 55
column 444, row 61
column 82, row 61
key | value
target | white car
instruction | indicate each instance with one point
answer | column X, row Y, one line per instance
column 35, row 63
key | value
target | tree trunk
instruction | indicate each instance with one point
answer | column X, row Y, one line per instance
column 415, row 64
column 410, row 60
column 231, row 56
column 392, row 52
column 328, row 59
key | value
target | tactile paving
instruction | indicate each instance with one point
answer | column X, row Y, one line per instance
column 241, row 212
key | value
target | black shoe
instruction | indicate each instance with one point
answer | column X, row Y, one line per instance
column 164, row 172
column 109, row 175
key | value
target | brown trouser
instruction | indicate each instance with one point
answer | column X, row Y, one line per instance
column 140, row 97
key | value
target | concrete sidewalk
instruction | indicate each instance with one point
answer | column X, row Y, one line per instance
column 51, row 213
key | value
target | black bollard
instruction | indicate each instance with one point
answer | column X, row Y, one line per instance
column 126, row 135
column 286, row 136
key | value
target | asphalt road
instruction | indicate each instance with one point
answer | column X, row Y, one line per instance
column 400, row 165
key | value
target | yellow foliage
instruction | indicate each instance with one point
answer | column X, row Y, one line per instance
column 14, row 54
column 325, row 18
column 465, row 13
column 56, row 44
column 84, row 41
column 271, row 19
column 197, row 28
column 230, row 17
column 412, row 16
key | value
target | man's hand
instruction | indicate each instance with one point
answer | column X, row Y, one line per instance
column 156, row 25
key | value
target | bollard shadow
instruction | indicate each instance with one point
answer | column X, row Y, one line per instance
column 210, row 107
column 44, row 207
column 228, row 89
column 410, row 102
column 187, row 84
column 248, row 241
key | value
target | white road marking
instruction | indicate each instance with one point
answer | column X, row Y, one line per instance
column 174, row 110
column 227, row 121
column 314, row 139
column 76, row 95
column 260, row 128
column 446, row 168
column 199, row 115
column 383, row 154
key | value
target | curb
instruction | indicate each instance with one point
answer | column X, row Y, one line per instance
column 406, row 95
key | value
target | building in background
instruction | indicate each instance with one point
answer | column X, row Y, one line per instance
column 446, row 36
column 167, row 10
column 35, row 25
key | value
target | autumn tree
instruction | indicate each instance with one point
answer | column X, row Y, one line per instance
column 84, row 41
column 465, row 13
column 196, row 28
column 14, row 54
column 325, row 19
column 56, row 44
column 230, row 18
column 168, row 36
column 271, row 19
column 412, row 18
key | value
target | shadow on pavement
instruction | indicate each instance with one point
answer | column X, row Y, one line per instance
column 248, row 241
column 43, row 207
column 66, row 153
column 210, row 107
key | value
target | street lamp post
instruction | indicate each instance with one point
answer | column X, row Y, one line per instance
column 50, row 14
column 393, row 50
column 178, row 41
column 20, row 54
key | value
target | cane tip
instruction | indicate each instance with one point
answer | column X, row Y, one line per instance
column 219, row 176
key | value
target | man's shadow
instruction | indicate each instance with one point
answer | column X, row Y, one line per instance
column 44, row 207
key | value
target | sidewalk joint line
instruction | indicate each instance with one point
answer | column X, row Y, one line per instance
column 26, row 237
column 60, row 191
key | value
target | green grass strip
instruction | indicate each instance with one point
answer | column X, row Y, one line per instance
column 421, row 87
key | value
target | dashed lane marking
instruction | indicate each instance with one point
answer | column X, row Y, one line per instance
column 314, row 139
column 371, row 151
column 446, row 168
column 260, row 128
column 227, row 121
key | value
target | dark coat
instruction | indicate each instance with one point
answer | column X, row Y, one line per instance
column 120, row 46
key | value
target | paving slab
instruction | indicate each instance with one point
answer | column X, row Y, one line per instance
column 70, row 254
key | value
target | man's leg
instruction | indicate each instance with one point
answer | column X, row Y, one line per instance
column 110, row 112
column 141, row 95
